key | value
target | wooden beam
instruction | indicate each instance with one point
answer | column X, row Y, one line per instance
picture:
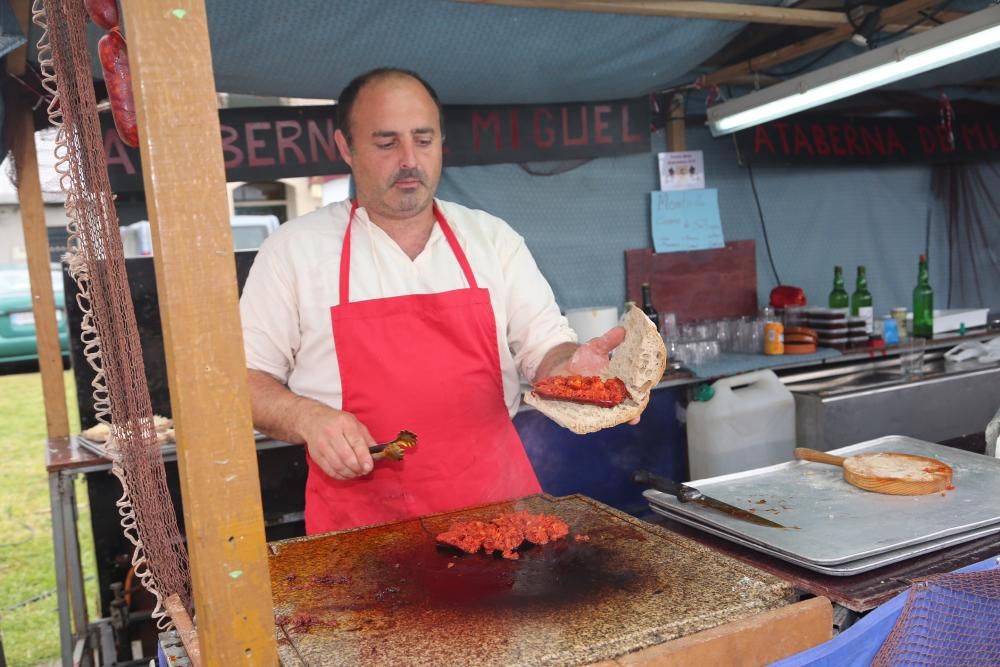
column 897, row 12
column 185, row 186
column 21, row 133
column 718, row 11
column 676, row 130
column 756, row 640
column 928, row 24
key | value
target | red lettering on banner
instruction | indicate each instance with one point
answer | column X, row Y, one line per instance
column 993, row 138
column 927, row 142
column 819, row 139
column 783, row 133
column 253, row 144
column 760, row 138
column 319, row 138
column 626, row 137
column 114, row 150
column 287, row 142
column 549, row 133
column 973, row 133
column 515, row 130
column 584, row 137
column 835, row 144
column 851, row 137
column 802, row 142
column 229, row 147
column 600, row 125
column 873, row 141
column 893, row 143
column 478, row 124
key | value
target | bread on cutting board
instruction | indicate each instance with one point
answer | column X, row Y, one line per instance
column 897, row 474
column 639, row 362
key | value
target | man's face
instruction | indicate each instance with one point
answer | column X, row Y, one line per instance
column 395, row 155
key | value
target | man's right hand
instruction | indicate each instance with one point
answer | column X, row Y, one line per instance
column 337, row 442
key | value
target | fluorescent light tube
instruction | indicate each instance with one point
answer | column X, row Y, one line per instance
column 969, row 36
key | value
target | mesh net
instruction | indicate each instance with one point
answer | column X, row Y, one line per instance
column 948, row 619
column 109, row 334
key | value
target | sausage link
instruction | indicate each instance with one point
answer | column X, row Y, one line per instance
column 114, row 60
column 103, row 12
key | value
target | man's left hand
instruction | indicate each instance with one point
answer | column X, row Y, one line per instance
column 591, row 358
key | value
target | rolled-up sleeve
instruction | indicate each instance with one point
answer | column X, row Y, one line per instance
column 534, row 323
column 269, row 312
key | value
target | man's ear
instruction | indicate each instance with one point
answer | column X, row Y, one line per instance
column 343, row 147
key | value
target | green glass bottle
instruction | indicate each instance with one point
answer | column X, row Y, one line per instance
column 861, row 301
column 838, row 297
column 923, row 302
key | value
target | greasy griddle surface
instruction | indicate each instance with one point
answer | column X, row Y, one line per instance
column 390, row 595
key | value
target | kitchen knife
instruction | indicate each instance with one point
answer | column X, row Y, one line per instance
column 688, row 494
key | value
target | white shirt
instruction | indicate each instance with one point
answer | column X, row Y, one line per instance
column 294, row 281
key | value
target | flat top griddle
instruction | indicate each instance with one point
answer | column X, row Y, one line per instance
column 390, row 595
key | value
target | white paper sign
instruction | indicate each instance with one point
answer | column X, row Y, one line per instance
column 682, row 170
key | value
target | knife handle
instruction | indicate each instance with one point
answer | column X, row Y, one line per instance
column 681, row 492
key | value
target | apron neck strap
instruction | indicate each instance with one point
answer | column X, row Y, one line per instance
column 449, row 235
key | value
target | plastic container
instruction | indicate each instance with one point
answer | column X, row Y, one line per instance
column 748, row 422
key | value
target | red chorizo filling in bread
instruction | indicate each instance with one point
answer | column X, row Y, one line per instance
column 583, row 389
column 504, row 533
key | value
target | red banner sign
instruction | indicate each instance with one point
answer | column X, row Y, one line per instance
column 265, row 143
column 871, row 140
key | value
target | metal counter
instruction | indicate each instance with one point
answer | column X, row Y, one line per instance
column 854, row 403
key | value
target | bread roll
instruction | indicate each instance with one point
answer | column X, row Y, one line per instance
column 638, row 362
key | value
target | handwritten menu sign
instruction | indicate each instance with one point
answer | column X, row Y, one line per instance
column 686, row 220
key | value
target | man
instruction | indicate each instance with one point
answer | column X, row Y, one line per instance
column 397, row 311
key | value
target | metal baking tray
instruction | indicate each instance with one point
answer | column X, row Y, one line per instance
column 832, row 522
column 167, row 449
column 845, row 569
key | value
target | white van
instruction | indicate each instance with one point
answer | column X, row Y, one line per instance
column 249, row 231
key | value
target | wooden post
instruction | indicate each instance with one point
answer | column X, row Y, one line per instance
column 21, row 125
column 676, row 130
column 182, row 165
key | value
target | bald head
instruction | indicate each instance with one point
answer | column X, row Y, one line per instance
column 349, row 95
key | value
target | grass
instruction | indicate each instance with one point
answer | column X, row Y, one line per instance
column 31, row 631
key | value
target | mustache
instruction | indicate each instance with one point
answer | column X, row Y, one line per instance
column 413, row 172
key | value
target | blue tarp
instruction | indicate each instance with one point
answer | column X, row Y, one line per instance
column 859, row 643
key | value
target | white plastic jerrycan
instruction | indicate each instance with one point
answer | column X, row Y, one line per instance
column 747, row 422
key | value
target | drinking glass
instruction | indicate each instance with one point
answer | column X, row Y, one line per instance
column 911, row 358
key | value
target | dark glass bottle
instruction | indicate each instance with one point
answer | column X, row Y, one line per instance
column 838, row 297
column 923, row 302
column 647, row 305
column 861, row 301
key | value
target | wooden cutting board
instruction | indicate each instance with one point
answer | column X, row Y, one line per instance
column 887, row 472
column 390, row 595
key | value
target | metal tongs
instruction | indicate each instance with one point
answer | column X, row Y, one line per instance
column 394, row 449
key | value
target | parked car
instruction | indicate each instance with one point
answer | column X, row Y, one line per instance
column 17, row 322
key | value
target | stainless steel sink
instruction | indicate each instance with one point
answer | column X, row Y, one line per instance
column 842, row 406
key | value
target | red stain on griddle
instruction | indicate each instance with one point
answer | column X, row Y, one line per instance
column 553, row 575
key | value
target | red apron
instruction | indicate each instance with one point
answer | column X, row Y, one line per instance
column 427, row 363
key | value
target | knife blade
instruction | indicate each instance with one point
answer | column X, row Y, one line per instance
column 689, row 494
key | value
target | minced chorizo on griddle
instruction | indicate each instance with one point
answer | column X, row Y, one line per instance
column 504, row 533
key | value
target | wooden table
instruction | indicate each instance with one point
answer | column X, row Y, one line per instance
column 65, row 458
